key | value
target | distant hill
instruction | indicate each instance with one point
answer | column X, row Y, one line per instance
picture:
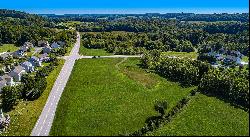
column 23, row 18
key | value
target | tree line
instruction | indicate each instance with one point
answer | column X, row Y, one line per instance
column 228, row 84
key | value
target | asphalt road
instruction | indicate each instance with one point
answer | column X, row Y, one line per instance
column 44, row 123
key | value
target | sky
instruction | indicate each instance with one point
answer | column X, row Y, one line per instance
column 126, row 6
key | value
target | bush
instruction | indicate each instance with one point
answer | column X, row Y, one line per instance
column 9, row 97
column 228, row 84
column 160, row 107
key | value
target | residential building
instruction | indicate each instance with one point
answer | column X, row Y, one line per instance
column 5, row 56
column 28, row 66
column 43, row 43
column 17, row 73
column 44, row 57
column 54, row 45
column 35, row 61
column 8, row 79
column 26, row 46
column 47, row 49
column 61, row 43
column 18, row 54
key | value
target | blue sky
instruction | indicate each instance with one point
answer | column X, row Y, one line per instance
column 126, row 6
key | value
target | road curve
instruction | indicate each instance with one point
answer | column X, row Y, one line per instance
column 44, row 123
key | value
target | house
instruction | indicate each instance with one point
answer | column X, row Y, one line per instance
column 222, row 51
column 44, row 57
column 219, row 57
column 47, row 49
column 238, row 61
column 8, row 79
column 26, row 46
column 43, row 43
column 54, row 45
column 61, row 43
column 28, row 66
column 232, row 59
column 35, row 61
column 5, row 56
column 18, row 54
column 17, row 73
column 236, row 53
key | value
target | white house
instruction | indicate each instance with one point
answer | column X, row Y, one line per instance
column 28, row 66
column 17, row 73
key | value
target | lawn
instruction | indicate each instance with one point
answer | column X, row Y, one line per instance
column 192, row 55
column 26, row 113
column 71, row 23
column 102, row 98
column 207, row 116
column 93, row 52
column 245, row 59
column 6, row 47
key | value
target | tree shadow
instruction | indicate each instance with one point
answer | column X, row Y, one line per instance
column 232, row 103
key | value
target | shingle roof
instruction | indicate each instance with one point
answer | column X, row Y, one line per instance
column 18, row 69
column 5, row 77
column 27, row 63
column 34, row 58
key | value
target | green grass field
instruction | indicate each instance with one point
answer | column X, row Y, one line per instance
column 6, row 47
column 26, row 113
column 207, row 116
column 102, row 98
column 192, row 55
column 245, row 59
column 93, row 52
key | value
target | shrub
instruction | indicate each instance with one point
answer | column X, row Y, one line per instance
column 9, row 97
column 160, row 107
column 228, row 84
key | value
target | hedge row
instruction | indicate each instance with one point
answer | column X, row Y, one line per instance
column 228, row 84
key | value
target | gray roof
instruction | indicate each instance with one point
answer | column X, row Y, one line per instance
column 5, row 77
column 43, row 55
column 18, row 69
column 2, row 83
column 34, row 58
column 28, row 44
column 5, row 55
column 26, row 63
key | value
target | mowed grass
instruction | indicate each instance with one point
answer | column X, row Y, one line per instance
column 207, row 116
column 245, row 59
column 93, row 52
column 6, row 47
column 100, row 99
column 192, row 55
column 26, row 113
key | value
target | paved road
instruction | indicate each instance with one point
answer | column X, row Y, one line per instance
column 44, row 123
